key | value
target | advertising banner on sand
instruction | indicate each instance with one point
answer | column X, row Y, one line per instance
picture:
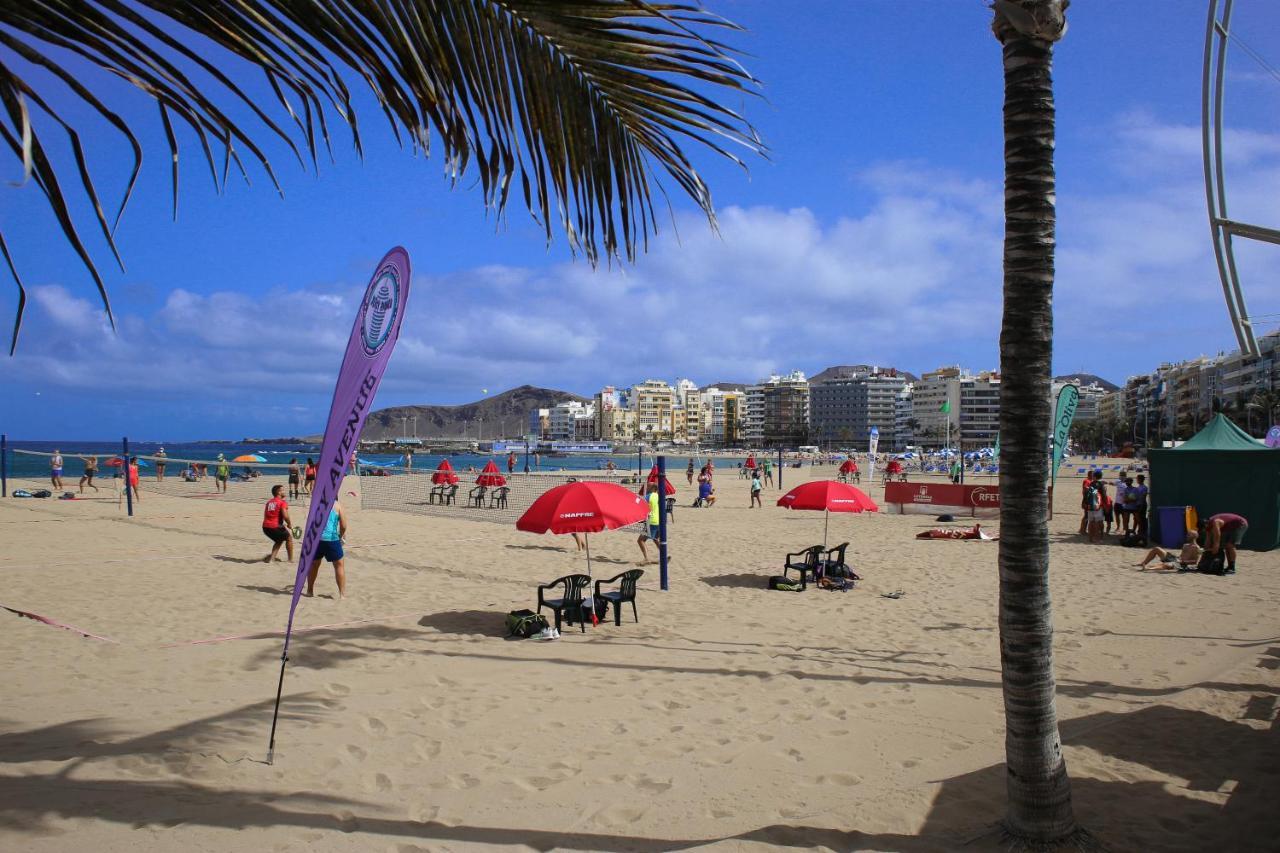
column 873, row 445
column 373, row 336
column 936, row 498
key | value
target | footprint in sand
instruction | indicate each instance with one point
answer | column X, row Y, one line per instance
column 648, row 784
column 428, row 749
column 338, row 689
column 356, row 752
column 375, row 726
column 381, row 783
column 844, row 780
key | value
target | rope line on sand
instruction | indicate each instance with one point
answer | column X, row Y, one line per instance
column 56, row 624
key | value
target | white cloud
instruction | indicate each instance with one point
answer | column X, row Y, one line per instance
column 913, row 280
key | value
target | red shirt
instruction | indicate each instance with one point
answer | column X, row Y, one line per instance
column 133, row 475
column 273, row 515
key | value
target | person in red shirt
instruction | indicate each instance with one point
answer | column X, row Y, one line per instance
column 1225, row 531
column 276, row 524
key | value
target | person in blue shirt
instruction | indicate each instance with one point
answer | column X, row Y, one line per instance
column 330, row 548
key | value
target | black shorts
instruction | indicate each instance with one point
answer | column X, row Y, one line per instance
column 293, row 479
column 277, row 534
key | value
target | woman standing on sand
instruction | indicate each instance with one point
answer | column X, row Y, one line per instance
column 309, row 476
column 294, row 479
column 688, row 472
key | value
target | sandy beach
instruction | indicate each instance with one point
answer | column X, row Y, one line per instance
column 729, row 718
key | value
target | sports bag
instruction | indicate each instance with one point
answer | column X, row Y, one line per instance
column 1212, row 564
column 784, row 583
column 524, row 623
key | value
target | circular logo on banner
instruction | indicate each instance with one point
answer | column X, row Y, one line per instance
column 1273, row 436
column 378, row 313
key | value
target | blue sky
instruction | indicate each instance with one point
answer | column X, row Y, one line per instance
column 871, row 234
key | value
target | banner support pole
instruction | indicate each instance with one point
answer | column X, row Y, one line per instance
column 662, row 520
column 4, row 466
column 275, row 715
column 124, row 469
column 779, row 469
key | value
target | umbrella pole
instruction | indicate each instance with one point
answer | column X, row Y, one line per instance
column 586, row 539
column 826, row 519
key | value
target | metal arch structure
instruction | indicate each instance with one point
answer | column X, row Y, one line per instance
column 1222, row 227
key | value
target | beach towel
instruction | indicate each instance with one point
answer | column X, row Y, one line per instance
column 975, row 533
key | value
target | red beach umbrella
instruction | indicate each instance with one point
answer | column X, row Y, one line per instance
column 653, row 479
column 751, row 462
column 491, row 476
column 848, row 466
column 444, row 474
column 828, row 496
column 587, row 506
column 114, row 462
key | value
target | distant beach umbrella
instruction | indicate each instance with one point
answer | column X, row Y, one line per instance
column 249, row 457
column 829, row 496
column 491, row 476
column 653, row 479
column 444, row 474
column 848, row 466
column 751, row 462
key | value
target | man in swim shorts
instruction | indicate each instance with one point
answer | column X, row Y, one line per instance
column 295, row 478
column 55, row 468
column 159, row 460
column 330, row 548
column 90, row 469
column 1224, row 532
column 276, row 524
column 655, row 517
column 221, row 474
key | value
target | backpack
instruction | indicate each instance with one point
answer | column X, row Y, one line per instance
column 21, row 493
column 1212, row 564
column 1094, row 498
column 42, row 493
column 784, row 583
column 524, row 623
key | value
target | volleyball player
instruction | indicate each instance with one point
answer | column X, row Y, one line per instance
column 276, row 524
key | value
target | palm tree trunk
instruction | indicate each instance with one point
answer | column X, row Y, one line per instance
column 1039, row 791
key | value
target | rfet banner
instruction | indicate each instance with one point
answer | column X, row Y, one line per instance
column 373, row 337
column 949, row 496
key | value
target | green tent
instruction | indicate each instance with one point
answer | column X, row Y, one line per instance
column 1221, row 469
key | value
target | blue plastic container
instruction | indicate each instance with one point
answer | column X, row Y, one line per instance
column 1171, row 522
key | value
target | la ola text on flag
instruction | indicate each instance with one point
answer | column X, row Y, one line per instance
column 1064, row 413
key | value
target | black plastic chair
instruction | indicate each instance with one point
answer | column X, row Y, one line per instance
column 625, row 592
column 475, row 497
column 498, row 500
column 447, row 494
column 805, row 562
column 570, row 602
column 436, row 494
column 833, row 558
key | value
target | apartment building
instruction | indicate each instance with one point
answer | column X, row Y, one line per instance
column 843, row 409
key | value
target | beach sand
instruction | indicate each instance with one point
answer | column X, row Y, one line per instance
column 730, row 717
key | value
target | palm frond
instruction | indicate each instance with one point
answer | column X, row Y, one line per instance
column 587, row 103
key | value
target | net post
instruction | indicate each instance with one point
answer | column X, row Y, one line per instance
column 779, row 469
column 124, row 469
column 662, row 520
column 527, row 442
column 4, row 465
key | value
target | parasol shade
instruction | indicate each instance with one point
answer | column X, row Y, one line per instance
column 444, row 474
column 491, row 476
column 249, row 457
column 587, row 506
column 653, row 479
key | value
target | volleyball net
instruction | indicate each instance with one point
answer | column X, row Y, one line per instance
column 246, row 481
column 475, row 496
column 470, row 495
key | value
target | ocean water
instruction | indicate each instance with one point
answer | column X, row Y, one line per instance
column 24, row 466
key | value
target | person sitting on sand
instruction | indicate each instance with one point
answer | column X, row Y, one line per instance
column 1184, row 560
column 276, row 524
column 330, row 548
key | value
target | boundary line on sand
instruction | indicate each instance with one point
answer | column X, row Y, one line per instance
column 56, row 624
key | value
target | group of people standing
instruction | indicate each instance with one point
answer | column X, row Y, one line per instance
column 1121, row 507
